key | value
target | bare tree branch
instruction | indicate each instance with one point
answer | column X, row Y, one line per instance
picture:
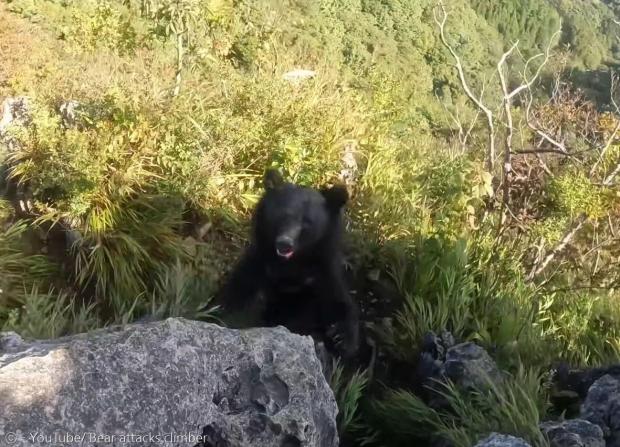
column 544, row 166
column 610, row 178
column 539, row 267
column 507, row 101
column 544, row 135
column 463, row 134
column 547, row 55
column 613, row 135
column 555, row 151
column 441, row 20
column 441, row 17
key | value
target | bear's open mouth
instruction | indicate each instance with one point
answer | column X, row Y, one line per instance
column 285, row 253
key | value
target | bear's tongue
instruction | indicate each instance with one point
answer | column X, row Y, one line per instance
column 285, row 253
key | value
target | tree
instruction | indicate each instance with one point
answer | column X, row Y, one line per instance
column 586, row 176
column 180, row 19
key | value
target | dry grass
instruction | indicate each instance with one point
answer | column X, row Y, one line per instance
column 37, row 62
column 21, row 52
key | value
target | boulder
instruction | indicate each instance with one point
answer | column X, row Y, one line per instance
column 437, row 345
column 467, row 365
column 168, row 383
column 15, row 111
column 70, row 113
column 602, row 407
column 470, row 367
column 579, row 381
column 497, row 440
column 77, row 115
column 573, row 433
column 298, row 75
column 10, row 341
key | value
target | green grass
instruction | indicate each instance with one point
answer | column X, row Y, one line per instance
column 349, row 391
column 50, row 315
column 19, row 269
column 424, row 212
column 515, row 406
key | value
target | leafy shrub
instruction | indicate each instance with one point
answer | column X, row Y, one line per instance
column 101, row 181
column 573, row 193
column 583, row 328
column 104, row 27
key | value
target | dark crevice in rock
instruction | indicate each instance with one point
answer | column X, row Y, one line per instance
column 290, row 441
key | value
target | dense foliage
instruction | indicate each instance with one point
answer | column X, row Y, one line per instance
column 182, row 104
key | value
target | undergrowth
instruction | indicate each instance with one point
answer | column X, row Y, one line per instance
column 137, row 204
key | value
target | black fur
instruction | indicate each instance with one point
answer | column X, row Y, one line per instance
column 294, row 261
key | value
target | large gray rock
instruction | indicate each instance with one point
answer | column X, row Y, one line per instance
column 467, row 365
column 174, row 379
column 14, row 112
column 602, row 407
column 497, row 440
column 79, row 115
column 470, row 367
column 573, row 433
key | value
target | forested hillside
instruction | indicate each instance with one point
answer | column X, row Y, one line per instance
column 479, row 140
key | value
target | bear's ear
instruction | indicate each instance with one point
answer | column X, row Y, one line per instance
column 336, row 196
column 272, row 179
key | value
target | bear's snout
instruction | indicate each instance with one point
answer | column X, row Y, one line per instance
column 285, row 246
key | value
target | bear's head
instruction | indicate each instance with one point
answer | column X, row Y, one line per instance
column 292, row 221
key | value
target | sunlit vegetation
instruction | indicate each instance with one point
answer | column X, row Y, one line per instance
column 137, row 204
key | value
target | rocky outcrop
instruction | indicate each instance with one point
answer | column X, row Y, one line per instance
column 573, row 433
column 82, row 115
column 299, row 75
column 470, row 366
column 497, row 440
column 602, row 407
column 467, row 365
column 17, row 112
column 14, row 112
column 169, row 383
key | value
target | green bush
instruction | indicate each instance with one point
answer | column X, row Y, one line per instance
column 573, row 193
column 156, row 191
column 104, row 27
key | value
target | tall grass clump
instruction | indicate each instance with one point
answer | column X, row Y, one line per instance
column 19, row 271
column 514, row 406
column 459, row 286
column 349, row 391
column 100, row 182
column 45, row 315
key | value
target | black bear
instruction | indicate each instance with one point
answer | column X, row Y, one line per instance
column 294, row 262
